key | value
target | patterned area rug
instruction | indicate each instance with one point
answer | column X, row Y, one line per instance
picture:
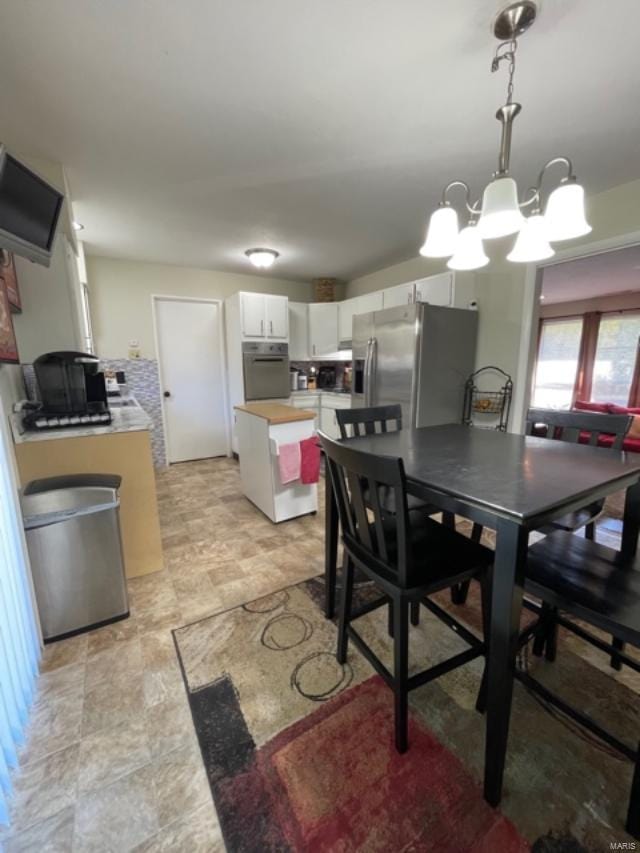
column 299, row 750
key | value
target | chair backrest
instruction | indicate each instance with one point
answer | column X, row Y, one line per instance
column 568, row 426
column 369, row 420
column 381, row 542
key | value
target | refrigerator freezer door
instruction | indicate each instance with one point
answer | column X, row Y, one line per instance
column 393, row 358
column 362, row 335
column 446, row 358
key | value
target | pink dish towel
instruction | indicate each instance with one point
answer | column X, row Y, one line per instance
column 289, row 462
column 310, row 464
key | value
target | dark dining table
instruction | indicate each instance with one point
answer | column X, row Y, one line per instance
column 513, row 484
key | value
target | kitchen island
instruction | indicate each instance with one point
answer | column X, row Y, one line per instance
column 262, row 428
column 122, row 447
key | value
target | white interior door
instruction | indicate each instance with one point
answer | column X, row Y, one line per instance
column 190, row 353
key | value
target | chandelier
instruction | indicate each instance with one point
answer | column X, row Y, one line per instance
column 501, row 213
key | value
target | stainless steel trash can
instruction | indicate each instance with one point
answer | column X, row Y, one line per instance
column 73, row 536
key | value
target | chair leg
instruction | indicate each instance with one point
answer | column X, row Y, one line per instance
column 551, row 644
column 390, row 619
column 459, row 592
column 590, row 531
column 415, row 612
column 485, row 592
column 615, row 661
column 345, row 610
column 401, row 672
column 540, row 637
column 633, row 814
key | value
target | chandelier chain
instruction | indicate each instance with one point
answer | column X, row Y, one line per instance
column 506, row 50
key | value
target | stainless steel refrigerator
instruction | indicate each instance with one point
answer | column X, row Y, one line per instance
column 417, row 355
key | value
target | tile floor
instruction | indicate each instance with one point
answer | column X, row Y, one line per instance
column 111, row 762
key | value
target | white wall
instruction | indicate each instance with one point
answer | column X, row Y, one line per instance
column 120, row 296
column 49, row 320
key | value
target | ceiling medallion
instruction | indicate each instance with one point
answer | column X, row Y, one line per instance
column 500, row 212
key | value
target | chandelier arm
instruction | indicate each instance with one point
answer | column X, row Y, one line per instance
column 565, row 161
column 451, row 185
column 535, row 196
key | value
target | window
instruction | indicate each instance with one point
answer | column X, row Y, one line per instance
column 557, row 363
column 615, row 358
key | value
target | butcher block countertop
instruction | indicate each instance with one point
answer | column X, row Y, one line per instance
column 276, row 413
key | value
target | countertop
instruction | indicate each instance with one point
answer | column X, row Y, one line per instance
column 130, row 418
column 276, row 413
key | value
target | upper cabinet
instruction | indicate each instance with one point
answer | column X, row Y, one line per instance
column 264, row 317
column 277, row 318
column 401, row 294
column 348, row 308
column 323, row 329
column 298, row 331
column 436, row 289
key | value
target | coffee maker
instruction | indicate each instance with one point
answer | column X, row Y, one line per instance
column 71, row 389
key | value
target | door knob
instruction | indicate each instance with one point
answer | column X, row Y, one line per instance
column 167, row 394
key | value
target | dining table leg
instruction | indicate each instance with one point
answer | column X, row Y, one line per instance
column 330, row 548
column 506, row 607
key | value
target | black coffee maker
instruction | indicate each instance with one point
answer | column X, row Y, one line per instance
column 72, row 390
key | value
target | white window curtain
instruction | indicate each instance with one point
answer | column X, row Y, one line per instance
column 19, row 633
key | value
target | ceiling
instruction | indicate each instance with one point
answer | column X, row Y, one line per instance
column 593, row 276
column 192, row 131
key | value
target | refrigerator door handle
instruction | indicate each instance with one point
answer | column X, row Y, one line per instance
column 371, row 354
column 367, row 373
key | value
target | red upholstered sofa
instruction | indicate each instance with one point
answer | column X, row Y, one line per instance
column 631, row 444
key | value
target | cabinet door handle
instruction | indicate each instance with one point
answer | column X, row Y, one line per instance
column 262, row 327
column 409, row 298
column 271, row 326
column 314, row 349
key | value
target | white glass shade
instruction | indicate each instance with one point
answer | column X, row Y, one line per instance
column 565, row 213
column 442, row 234
column 262, row 258
column 469, row 253
column 500, row 212
column 532, row 243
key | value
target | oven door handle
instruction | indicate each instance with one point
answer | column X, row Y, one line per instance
column 269, row 359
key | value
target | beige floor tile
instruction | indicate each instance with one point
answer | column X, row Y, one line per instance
column 167, row 617
column 43, row 788
column 181, row 783
column 111, row 753
column 120, row 661
column 53, row 725
column 63, row 653
column 162, row 678
column 53, row 835
column 197, row 832
column 112, row 703
column 112, row 635
column 169, row 725
column 61, row 683
column 118, row 817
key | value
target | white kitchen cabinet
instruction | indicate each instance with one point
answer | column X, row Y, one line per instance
column 401, row 294
column 277, row 318
column 298, row 331
column 328, row 405
column 368, row 302
column 345, row 318
column 436, row 289
column 264, row 317
column 252, row 315
column 323, row 329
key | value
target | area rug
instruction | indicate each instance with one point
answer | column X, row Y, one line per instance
column 299, row 750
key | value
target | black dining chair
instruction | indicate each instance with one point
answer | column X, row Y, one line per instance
column 571, row 427
column 600, row 587
column 368, row 420
column 408, row 561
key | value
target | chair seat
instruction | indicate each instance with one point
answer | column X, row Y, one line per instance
column 589, row 580
column 575, row 520
column 441, row 555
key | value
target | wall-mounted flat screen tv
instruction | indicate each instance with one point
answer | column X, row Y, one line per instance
column 29, row 211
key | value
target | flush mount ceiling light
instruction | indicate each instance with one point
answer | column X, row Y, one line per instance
column 262, row 258
column 77, row 226
column 500, row 213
